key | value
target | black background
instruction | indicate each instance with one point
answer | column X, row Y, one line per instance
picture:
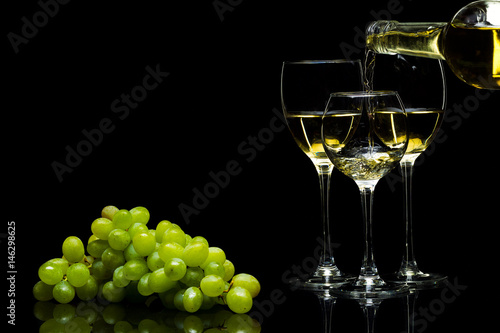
column 222, row 87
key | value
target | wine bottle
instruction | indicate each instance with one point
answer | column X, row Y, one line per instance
column 470, row 43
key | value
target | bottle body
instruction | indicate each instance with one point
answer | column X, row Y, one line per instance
column 470, row 43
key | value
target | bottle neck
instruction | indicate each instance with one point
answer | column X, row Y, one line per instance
column 421, row 39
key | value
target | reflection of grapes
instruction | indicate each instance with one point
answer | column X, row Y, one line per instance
column 128, row 260
column 86, row 317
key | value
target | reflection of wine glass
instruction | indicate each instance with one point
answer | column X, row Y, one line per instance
column 365, row 136
column 422, row 86
column 305, row 89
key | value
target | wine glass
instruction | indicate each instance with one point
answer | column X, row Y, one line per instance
column 421, row 84
column 305, row 88
column 365, row 136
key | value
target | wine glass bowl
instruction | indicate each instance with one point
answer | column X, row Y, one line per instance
column 364, row 134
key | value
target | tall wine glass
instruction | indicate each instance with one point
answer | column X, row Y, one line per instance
column 305, row 88
column 365, row 136
column 421, row 83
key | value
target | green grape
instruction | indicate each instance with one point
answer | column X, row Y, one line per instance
column 242, row 323
column 154, row 261
column 134, row 269
column 195, row 254
column 178, row 300
column 88, row 311
column 78, row 324
column 101, row 227
column 92, row 238
column 193, row 277
column 247, row 281
column 113, row 293
column 175, row 269
column 51, row 326
column 229, row 270
column 159, row 282
column 189, row 239
column 140, row 215
column 193, row 324
column 200, row 239
column 174, row 234
column 239, row 300
column 119, row 278
column 113, row 313
column 43, row 310
column 50, row 273
column 73, row 249
column 214, row 254
column 97, row 247
column 89, row 290
column 61, row 263
column 63, row 313
column 63, row 292
column 147, row 325
column 215, row 268
column 112, row 258
column 169, row 250
column 100, row 271
column 212, row 285
column 109, row 211
column 208, row 302
column 42, row 291
column 119, row 239
column 192, row 299
column 130, row 253
column 137, row 228
column 123, row 219
column 122, row 326
column 144, row 243
column 143, row 286
column 161, row 228
column 167, row 297
column 78, row 274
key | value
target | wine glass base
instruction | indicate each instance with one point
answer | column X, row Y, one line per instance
column 418, row 279
column 388, row 290
column 324, row 278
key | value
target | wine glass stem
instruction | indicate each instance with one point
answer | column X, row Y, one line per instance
column 324, row 173
column 409, row 264
column 327, row 303
column 370, row 312
column 369, row 272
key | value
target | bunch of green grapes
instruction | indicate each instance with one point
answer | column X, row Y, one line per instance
column 126, row 258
